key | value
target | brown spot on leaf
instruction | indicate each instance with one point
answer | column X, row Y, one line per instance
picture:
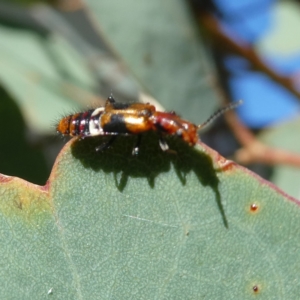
column 254, row 208
column 255, row 289
column 225, row 164
column 4, row 178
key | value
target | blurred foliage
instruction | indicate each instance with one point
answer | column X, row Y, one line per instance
column 29, row 2
column 283, row 137
column 18, row 157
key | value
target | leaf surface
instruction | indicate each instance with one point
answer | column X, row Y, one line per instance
column 158, row 226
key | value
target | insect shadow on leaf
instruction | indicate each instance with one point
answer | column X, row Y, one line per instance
column 150, row 162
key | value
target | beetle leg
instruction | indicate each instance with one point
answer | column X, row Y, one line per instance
column 106, row 145
column 163, row 144
column 135, row 150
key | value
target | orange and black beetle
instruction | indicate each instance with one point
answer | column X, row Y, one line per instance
column 134, row 118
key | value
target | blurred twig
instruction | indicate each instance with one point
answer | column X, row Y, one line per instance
column 252, row 149
column 19, row 17
column 243, row 49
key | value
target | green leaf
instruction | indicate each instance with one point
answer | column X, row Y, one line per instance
column 44, row 76
column 18, row 156
column 55, row 65
column 285, row 137
column 157, row 226
column 161, row 44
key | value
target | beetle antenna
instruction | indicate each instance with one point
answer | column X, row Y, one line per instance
column 219, row 112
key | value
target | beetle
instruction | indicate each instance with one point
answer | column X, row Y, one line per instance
column 116, row 118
